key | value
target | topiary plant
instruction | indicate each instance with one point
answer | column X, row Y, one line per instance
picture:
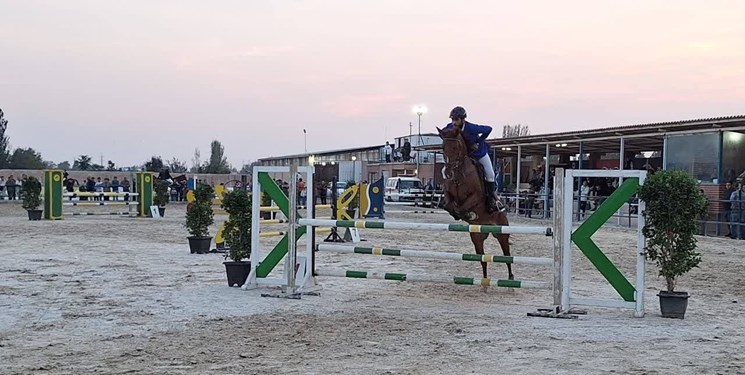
column 673, row 203
column 31, row 194
column 237, row 230
column 200, row 216
column 161, row 193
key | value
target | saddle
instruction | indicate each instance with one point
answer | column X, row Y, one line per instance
column 491, row 204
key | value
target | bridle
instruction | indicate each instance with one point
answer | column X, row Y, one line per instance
column 454, row 167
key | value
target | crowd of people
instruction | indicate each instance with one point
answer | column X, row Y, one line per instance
column 10, row 189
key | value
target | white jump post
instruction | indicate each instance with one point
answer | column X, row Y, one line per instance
column 565, row 228
column 292, row 280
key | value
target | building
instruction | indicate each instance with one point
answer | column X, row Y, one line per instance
column 712, row 150
column 368, row 163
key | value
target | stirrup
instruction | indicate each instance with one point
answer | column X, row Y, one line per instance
column 501, row 207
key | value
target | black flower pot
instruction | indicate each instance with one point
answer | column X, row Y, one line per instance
column 162, row 211
column 673, row 304
column 34, row 214
column 199, row 244
column 237, row 272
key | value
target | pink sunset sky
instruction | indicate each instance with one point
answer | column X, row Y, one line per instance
column 132, row 79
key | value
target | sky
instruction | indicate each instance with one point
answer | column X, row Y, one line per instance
column 126, row 80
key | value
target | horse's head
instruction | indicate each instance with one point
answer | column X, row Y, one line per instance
column 453, row 145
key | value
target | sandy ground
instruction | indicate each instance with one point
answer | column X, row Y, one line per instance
column 115, row 295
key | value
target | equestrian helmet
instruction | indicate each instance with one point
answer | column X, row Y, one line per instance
column 458, row 112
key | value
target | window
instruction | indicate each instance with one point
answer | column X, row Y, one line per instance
column 696, row 154
column 733, row 156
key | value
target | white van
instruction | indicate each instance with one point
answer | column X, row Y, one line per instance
column 399, row 189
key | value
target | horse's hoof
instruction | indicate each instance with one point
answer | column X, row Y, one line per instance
column 512, row 277
column 472, row 216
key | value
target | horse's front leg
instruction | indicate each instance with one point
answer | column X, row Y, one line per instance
column 450, row 206
column 468, row 208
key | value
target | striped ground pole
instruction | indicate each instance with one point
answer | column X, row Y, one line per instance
column 282, row 233
column 429, row 278
column 272, row 221
column 427, row 226
column 342, row 249
column 275, row 208
column 99, row 203
column 96, row 213
column 101, row 194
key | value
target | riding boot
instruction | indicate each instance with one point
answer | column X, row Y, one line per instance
column 493, row 203
column 489, row 197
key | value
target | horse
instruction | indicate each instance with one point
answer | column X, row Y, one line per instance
column 464, row 193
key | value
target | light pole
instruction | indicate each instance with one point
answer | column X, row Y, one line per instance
column 305, row 141
column 419, row 110
column 354, row 168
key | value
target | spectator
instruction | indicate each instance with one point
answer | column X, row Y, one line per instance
column 737, row 222
column 406, row 150
column 10, row 185
column 387, row 151
column 584, row 193
column 727, row 205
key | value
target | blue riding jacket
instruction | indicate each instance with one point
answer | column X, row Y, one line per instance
column 475, row 134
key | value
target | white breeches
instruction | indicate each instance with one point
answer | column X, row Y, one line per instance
column 488, row 169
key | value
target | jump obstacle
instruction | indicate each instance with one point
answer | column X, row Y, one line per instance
column 55, row 197
column 632, row 295
column 371, row 205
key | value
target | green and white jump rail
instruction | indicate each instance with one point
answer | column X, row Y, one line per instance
column 342, row 249
column 427, row 226
column 430, row 278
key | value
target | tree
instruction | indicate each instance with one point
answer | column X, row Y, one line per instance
column 26, row 158
column 246, row 169
column 64, row 165
column 83, row 163
column 196, row 162
column 155, row 164
column 218, row 162
column 4, row 143
column 514, row 131
column 111, row 166
column 674, row 202
column 177, row 166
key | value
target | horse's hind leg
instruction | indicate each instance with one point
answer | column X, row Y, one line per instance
column 478, row 244
column 504, row 243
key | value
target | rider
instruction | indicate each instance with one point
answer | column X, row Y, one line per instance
column 475, row 135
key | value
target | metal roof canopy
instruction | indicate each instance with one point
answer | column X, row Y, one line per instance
column 637, row 138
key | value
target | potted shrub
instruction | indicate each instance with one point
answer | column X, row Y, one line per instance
column 237, row 233
column 161, row 196
column 31, row 195
column 673, row 203
column 199, row 216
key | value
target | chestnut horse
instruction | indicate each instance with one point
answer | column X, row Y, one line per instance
column 464, row 193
